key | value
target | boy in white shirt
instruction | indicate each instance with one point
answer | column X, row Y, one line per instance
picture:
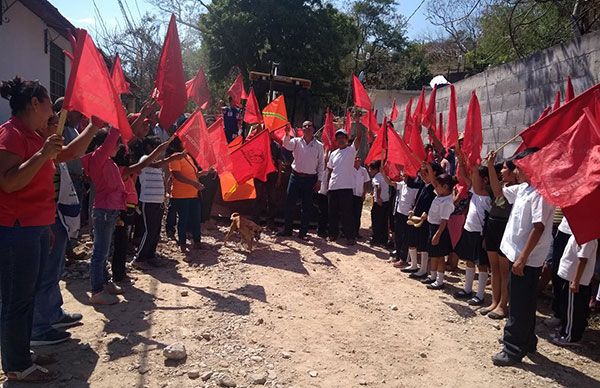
column 576, row 269
column 526, row 243
column 380, row 209
column 361, row 178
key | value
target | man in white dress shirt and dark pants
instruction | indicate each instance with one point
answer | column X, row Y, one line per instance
column 307, row 174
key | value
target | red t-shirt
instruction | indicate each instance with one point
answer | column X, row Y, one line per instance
column 34, row 204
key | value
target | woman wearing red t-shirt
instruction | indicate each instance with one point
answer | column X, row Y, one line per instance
column 27, row 209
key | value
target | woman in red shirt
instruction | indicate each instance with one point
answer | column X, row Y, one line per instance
column 27, row 209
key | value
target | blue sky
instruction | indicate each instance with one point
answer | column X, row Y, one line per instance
column 81, row 13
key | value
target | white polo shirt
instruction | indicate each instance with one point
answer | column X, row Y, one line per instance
column 308, row 157
column 378, row 181
column 441, row 209
column 361, row 176
column 528, row 208
column 570, row 259
column 478, row 205
column 341, row 164
column 405, row 198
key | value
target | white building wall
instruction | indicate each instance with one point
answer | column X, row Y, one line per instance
column 22, row 50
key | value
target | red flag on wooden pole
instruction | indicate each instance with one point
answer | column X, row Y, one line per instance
column 118, row 78
column 573, row 181
column 473, row 141
column 90, row 89
column 398, row 152
column 429, row 117
column 556, row 101
column 452, row 126
column 236, row 91
column 252, row 113
column 407, row 121
column 361, row 98
column 328, row 137
column 253, row 159
column 419, row 109
column 170, row 91
column 394, row 113
column 569, row 93
column 198, row 91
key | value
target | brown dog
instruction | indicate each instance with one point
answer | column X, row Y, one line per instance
column 247, row 230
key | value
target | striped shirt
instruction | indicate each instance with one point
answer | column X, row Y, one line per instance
column 152, row 184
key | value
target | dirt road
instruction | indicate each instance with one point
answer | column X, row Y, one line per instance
column 295, row 314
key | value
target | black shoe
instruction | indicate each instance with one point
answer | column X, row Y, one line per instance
column 284, row 233
column 475, row 301
column 303, row 237
column 502, row 359
column 462, row 294
column 409, row 270
column 67, row 320
column 428, row 280
column 50, row 337
column 417, row 276
column 435, row 286
column 394, row 254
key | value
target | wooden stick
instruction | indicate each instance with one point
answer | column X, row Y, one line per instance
column 508, row 142
column 62, row 119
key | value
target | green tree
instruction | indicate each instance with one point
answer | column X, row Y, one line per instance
column 310, row 39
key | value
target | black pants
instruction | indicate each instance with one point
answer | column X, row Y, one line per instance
column 519, row 332
column 171, row 220
column 300, row 188
column 357, row 205
column 400, row 234
column 379, row 222
column 152, row 214
column 340, row 210
column 574, row 310
column 208, row 195
column 323, row 203
column 121, row 243
column 558, row 248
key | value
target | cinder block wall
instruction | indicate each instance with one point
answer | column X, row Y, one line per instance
column 513, row 95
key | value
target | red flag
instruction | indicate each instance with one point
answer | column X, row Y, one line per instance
column 198, row 91
column 375, row 151
column 570, row 93
column 118, row 78
column 399, row 153
column 556, row 101
column 90, row 89
column 236, row 91
column 415, row 142
column 252, row 113
column 235, row 144
column 275, row 115
column 361, row 98
column 573, row 180
column 328, row 136
column 429, row 117
column 170, row 91
column 408, row 121
column 348, row 122
column 394, row 114
column 548, row 128
column 452, row 126
column 419, row 109
column 208, row 146
column 473, row 141
column 253, row 159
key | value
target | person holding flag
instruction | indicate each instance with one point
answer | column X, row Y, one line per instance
column 306, row 178
column 232, row 117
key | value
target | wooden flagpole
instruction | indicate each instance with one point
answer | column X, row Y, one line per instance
column 62, row 119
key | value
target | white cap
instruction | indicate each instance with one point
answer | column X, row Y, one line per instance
column 341, row 131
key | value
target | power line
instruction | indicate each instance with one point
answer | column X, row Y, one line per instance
column 415, row 11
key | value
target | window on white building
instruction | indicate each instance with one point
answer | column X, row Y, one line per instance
column 57, row 72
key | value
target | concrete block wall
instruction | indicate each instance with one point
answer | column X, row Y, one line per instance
column 513, row 95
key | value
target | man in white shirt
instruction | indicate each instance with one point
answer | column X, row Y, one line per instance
column 306, row 178
column 361, row 178
column 526, row 243
column 341, row 186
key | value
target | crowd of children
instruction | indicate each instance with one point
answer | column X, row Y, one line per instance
column 488, row 216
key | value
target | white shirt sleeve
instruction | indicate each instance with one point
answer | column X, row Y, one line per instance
column 510, row 193
column 587, row 250
column 366, row 177
column 287, row 142
column 446, row 210
column 540, row 209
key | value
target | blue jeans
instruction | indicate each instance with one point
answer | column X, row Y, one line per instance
column 48, row 299
column 299, row 187
column 188, row 213
column 104, row 226
column 23, row 255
